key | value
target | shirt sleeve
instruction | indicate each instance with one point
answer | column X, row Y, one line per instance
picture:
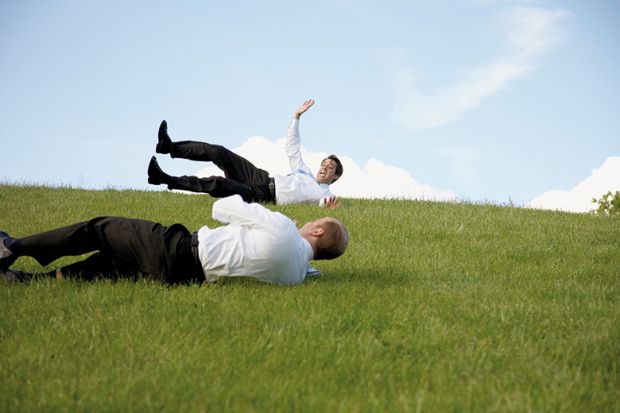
column 233, row 210
column 292, row 147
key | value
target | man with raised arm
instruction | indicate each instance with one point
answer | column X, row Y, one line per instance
column 255, row 242
column 245, row 179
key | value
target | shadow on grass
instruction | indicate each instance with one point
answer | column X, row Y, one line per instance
column 372, row 278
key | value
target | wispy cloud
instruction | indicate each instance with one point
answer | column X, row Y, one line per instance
column 530, row 33
column 374, row 179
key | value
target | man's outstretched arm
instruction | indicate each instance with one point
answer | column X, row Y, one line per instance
column 293, row 141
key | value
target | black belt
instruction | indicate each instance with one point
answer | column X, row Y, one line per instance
column 194, row 246
column 272, row 189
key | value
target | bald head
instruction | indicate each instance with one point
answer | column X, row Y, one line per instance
column 334, row 241
column 328, row 236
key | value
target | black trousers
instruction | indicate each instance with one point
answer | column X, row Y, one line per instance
column 125, row 248
column 241, row 176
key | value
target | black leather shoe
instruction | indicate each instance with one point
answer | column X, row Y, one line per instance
column 7, row 258
column 12, row 275
column 163, row 140
column 156, row 175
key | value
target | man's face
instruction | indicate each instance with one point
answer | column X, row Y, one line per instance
column 327, row 172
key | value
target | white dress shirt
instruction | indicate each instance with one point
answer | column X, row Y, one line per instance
column 256, row 243
column 300, row 185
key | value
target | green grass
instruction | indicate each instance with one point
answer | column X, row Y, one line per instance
column 434, row 307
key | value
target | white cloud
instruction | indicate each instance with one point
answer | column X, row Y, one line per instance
column 579, row 199
column 531, row 32
column 373, row 180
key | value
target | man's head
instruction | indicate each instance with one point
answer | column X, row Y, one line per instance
column 330, row 170
column 328, row 236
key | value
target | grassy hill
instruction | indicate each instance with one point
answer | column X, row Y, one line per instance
column 434, row 307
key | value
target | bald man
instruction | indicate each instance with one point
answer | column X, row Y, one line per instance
column 255, row 242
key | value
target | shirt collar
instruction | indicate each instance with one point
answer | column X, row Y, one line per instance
column 304, row 172
column 308, row 250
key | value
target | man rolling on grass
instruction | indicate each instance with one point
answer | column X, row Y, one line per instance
column 256, row 243
column 245, row 179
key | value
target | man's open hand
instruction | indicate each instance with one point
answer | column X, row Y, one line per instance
column 304, row 107
column 332, row 202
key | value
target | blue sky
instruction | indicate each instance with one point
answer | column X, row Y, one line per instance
column 490, row 100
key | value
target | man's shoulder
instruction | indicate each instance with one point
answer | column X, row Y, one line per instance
column 280, row 222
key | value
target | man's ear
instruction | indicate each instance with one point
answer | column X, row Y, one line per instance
column 317, row 230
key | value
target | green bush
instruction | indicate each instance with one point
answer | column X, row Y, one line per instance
column 608, row 204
